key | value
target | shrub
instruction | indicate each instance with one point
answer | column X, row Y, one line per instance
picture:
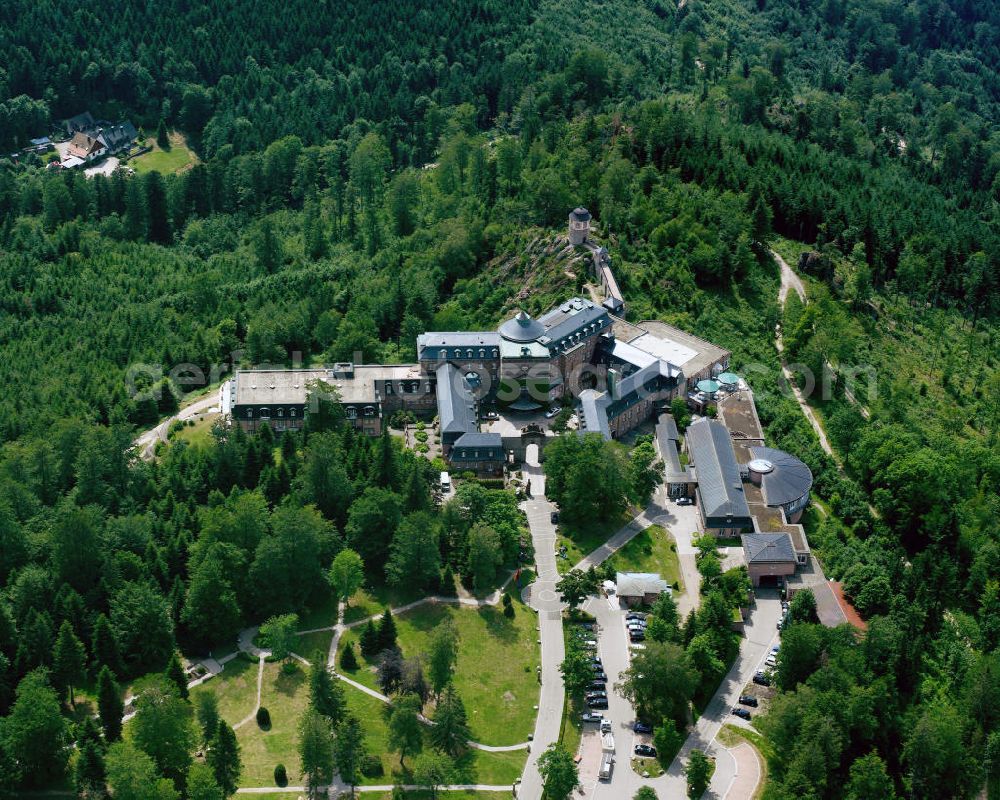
column 280, row 775
column 421, row 447
column 420, row 436
column 263, row 718
column 371, row 766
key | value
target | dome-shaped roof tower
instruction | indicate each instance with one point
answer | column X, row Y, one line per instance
column 522, row 328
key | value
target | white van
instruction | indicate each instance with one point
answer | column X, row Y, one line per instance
column 607, row 764
column 445, row 482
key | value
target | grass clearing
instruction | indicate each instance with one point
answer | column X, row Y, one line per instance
column 286, row 698
column 177, row 159
column 475, row 766
column 197, row 432
column 582, row 539
column 307, row 644
column 235, row 688
column 496, row 671
column 652, row 550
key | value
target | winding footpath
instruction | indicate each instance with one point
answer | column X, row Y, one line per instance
column 789, row 281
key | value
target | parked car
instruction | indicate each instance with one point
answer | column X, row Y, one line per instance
column 645, row 750
column 635, row 615
column 600, row 676
column 587, row 626
column 605, row 725
column 684, row 501
column 598, row 685
column 552, row 412
column 592, row 716
column 598, row 703
column 642, row 727
column 596, row 693
column 742, row 713
column 591, row 643
column 776, row 648
column 771, row 661
column 637, row 636
column 554, row 517
column 596, row 661
column 636, row 624
column 748, row 700
column 761, row 679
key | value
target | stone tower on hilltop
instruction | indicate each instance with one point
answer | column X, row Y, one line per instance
column 579, row 225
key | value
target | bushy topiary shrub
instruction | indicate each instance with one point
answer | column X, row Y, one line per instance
column 263, row 718
column 280, row 775
column 420, row 436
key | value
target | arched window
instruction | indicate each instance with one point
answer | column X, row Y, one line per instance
column 281, row 412
column 249, row 413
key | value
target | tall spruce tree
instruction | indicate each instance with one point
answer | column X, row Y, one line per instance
column 110, row 706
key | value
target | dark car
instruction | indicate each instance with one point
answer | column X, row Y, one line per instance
column 642, row 727
column 637, row 636
column 635, row 615
column 554, row 517
column 596, row 661
column 597, row 703
column 600, row 675
column 597, row 695
column 761, row 679
column 645, row 750
column 598, row 685
column 742, row 713
column 748, row 700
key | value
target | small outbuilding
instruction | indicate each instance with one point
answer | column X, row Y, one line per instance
column 640, row 588
column 770, row 557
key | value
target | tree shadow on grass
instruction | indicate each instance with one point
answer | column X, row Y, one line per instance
column 497, row 625
column 288, row 683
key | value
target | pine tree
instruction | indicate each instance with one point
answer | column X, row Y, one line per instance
column 348, row 750
column 386, row 631
column 110, row 706
column 369, row 640
column 451, row 730
column 224, row 758
column 416, row 496
column 69, row 662
column 162, row 140
column 206, row 709
column 384, row 472
column 175, row 674
column 325, row 692
column 268, row 247
column 89, row 774
column 348, row 660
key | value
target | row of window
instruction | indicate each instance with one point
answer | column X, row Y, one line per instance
column 467, row 353
column 265, row 413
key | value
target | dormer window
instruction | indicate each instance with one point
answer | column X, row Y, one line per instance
column 352, row 413
column 249, row 413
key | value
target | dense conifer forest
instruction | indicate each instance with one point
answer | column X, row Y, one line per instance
column 369, row 171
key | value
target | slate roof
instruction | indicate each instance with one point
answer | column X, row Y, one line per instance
column 790, row 480
column 456, row 407
column 768, row 548
column 522, row 328
column 570, row 318
column 580, row 214
column 719, row 484
column 637, row 584
column 594, row 411
column 434, row 344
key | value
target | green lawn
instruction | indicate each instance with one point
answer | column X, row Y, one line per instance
column 176, row 159
column 373, row 599
column 496, row 671
column 286, row 698
column 200, row 433
column 581, row 540
column 235, row 688
column 650, row 551
column 308, row 643
column 475, row 766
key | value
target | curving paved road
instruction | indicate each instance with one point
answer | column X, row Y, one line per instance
column 542, row 596
column 147, row 440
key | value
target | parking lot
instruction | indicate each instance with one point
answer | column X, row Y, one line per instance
column 613, row 650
